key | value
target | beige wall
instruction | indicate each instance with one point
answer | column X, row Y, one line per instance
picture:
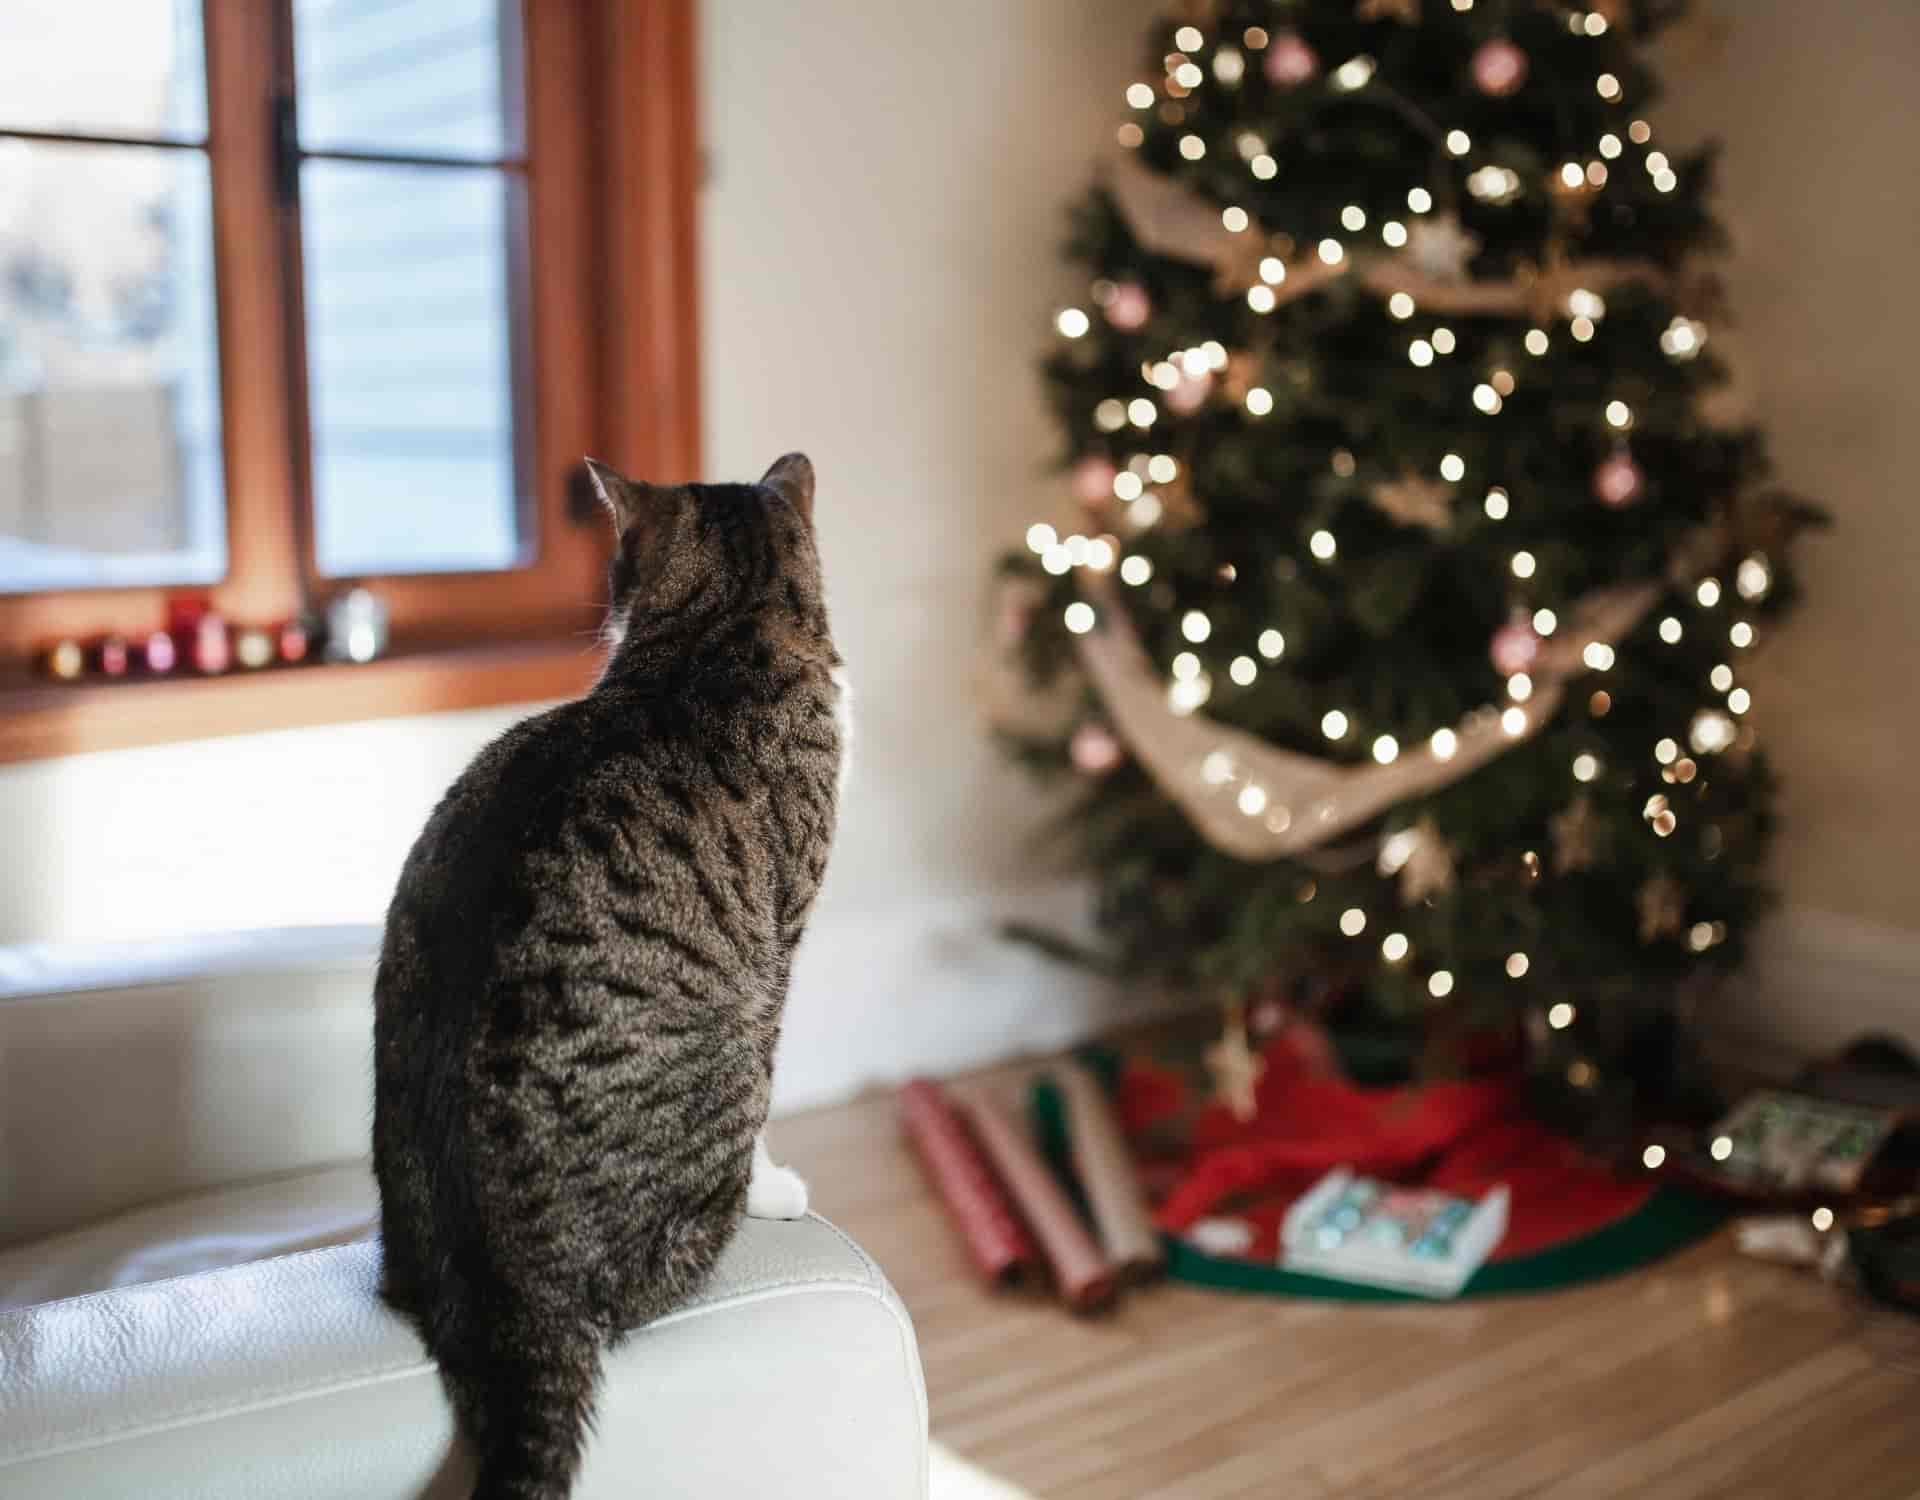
column 1820, row 111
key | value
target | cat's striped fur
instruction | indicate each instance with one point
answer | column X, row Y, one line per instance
column 585, row 965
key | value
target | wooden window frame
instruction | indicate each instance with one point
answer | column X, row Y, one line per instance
column 611, row 185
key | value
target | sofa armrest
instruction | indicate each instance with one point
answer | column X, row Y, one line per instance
column 795, row 1374
column 133, row 1072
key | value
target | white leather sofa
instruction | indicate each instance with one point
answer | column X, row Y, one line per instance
column 187, row 1274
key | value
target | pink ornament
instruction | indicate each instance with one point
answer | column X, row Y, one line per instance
column 1093, row 479
column 1093, row 750
column 1290, row 61
column 1499, row 68
column 1618, row 481
column 1514, row 647
column 1190, row 394
column 1129, row 307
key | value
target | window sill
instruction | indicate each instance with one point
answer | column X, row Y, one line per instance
column 40, row 720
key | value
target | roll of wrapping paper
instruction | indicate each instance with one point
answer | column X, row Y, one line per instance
column 977, row 1204
column 1107, row 1176
column 1083, row 1275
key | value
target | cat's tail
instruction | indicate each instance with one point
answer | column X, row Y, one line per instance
column 525, row 1403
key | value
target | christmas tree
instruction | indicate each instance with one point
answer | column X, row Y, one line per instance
column 1392, row 636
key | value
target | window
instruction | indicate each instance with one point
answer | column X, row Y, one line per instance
column 301, row 294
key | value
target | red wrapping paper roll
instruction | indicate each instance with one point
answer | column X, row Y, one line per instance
column 978, row 1206
column 1083, row 1275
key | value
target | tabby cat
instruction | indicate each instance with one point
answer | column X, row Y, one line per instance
column 584, row 970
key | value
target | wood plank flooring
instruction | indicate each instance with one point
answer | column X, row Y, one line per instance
column 1709, row 1377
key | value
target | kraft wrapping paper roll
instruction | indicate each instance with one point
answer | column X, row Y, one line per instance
column 979, row 1207
column 1083, row 1275
column 1107, row 1176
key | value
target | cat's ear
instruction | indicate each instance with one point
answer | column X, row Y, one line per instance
column 791, row 478
column 625, row 501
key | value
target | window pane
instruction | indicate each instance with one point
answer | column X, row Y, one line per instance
column 109, row 369
column 411, row 370
column 103, row 67
column 407, row 77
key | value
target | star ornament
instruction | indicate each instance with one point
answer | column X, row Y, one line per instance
column 1663, row 908
column 1440, row 247
column 1414, row 500
column 1575, row 837
column 1425, row 862
column 1236, row 1068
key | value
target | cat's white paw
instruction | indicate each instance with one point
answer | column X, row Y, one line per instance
column 774, row 1192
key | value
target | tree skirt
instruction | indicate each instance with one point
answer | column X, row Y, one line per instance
column 1221, row 1186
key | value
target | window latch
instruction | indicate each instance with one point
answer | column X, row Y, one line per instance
column 286, row 148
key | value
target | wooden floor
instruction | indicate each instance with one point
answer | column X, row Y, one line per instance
column 1708, row 1376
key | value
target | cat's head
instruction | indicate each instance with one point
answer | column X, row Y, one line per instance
column 691, row 557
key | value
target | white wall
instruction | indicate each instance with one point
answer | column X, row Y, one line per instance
column 887, row 195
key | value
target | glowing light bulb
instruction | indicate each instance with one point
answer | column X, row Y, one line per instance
column 1487, row 399
column 1585, row 767
column 1041, row 536
column 1722, row 1147
column 1271, row 644
column 1582, row 330
column 1332, row 252
column 1443, row 340
column 1639, row 132
column 1140, row 95
column 1653, row 1157
column 1353, row 217
column 1264, row 167
column 1394, row 947
column 1186, row 667
column 1401, row 306
column 1353, row 73
column 1419, row 200
column 1191, row 146
column 1079, row 617
column 1072, row 322
column 1273, row 270
column 1234, row 218
column 1142, row 412
column 1739, row 700
column 1523, row 565
column 1453, row 468
column 1513, row 723
column 1741, row 636
column 1386, row 750
column 1671, row 630
column 1056, row 559
column 1517, row 965
column 1353, row 921
column 1708, row 593
column 1110, row 415
column 1495, row 505
column 1752, row 579
column 1195, row 626
column 1440, row 984
column 1598, row 655
column 1243, row 671
column 1445, row 744
column 1571, row 175
column 1607, row 86
column 1135, row 570
column 1394, row 233
column 1261, row 299
column 1100, row 554
column 1459, row 142
column 1545, row 622
column 1322, row 545
column 1721, row 677
column 1188, row 39
column 1537, row 342
column 1520, row 687
column 1420, row 352
column 1334, row 725
column 1822, row 1219
column 1253, row 800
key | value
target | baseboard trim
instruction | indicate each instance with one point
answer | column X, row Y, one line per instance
column 1817, row 980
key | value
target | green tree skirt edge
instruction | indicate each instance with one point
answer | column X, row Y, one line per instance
column 1669, row 1221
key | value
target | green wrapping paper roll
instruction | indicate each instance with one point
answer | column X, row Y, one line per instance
column 1104, row 1168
